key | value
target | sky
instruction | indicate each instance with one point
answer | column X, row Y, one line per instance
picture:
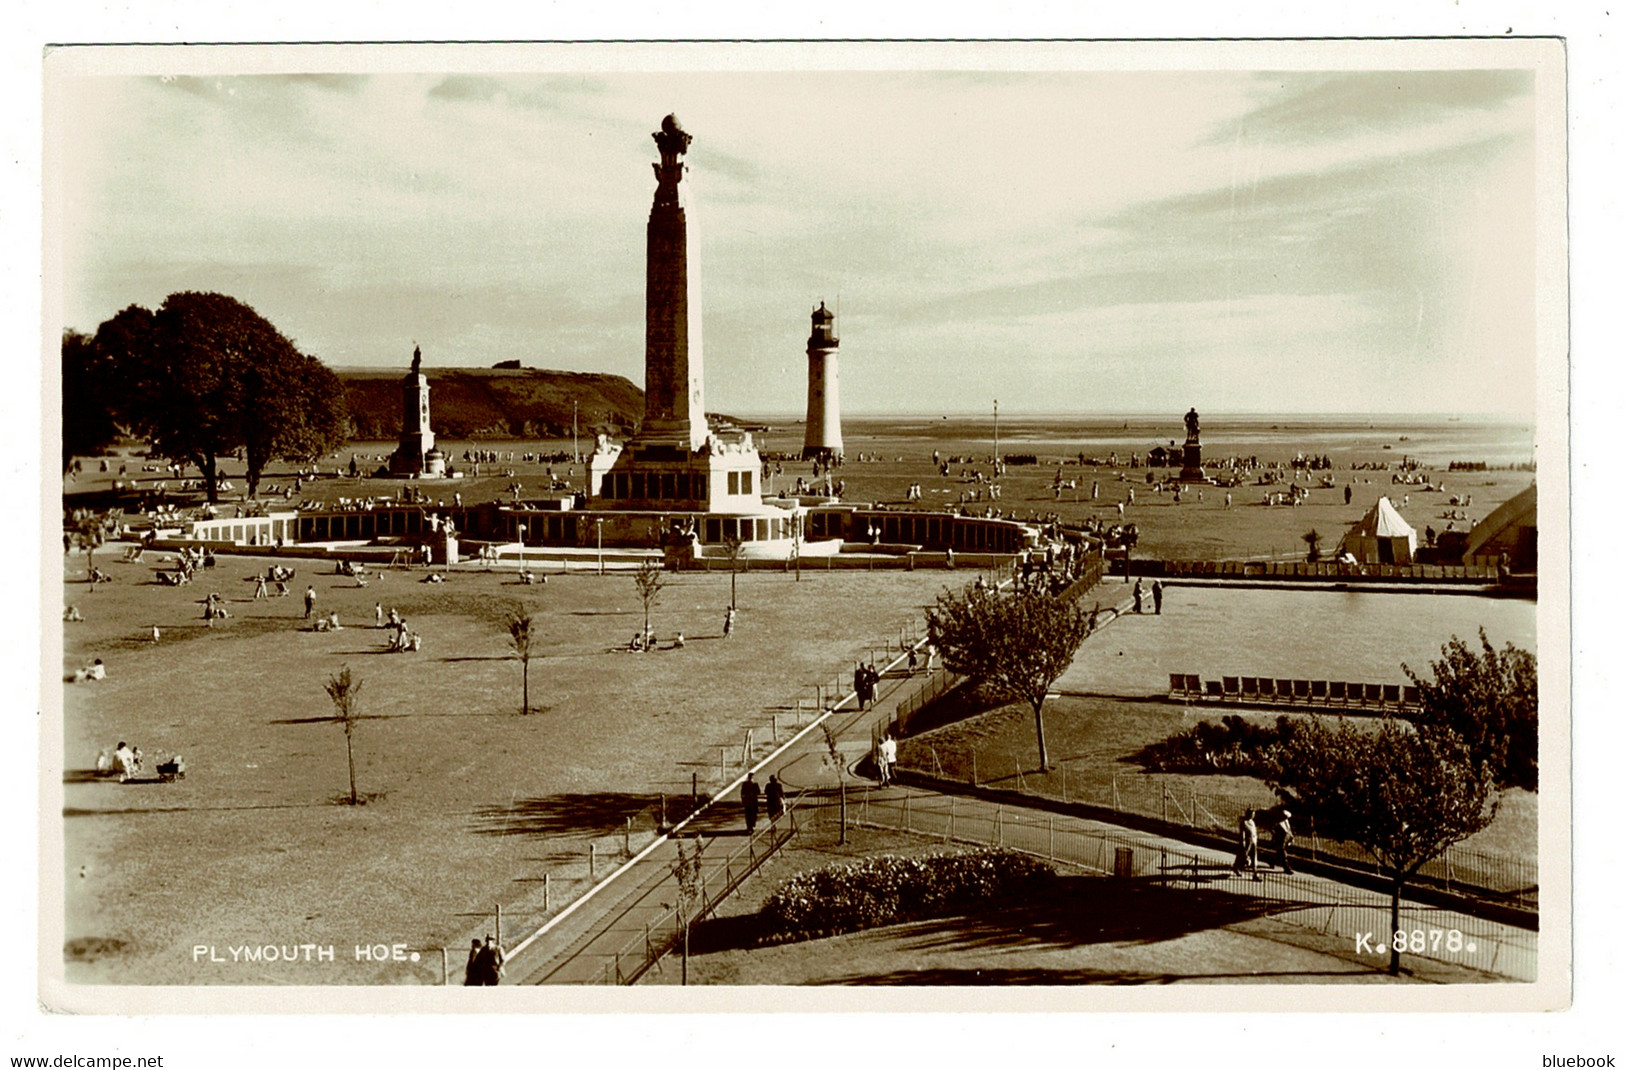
column 1063, row 241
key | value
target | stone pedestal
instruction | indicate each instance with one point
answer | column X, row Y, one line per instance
column 1191, row 469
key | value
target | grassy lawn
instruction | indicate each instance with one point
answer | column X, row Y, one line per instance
column 1106, row 706
column 1090, row 741
column 469, row 802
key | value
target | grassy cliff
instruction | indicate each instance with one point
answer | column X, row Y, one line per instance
column 496, row 402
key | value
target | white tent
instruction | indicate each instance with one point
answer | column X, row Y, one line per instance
column 1382, row 537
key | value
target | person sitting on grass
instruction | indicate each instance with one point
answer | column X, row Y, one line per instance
column 72, row 613
column 126, row 761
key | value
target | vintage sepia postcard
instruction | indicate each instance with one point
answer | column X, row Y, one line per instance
column 859, row 526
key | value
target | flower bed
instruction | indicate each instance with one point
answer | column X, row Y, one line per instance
column 891, row 889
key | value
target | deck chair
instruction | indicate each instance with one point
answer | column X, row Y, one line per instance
column 1410, row 696
column 1283, row 690
column 1266, row 689
column 1300, row 690
column 1232, row 687
column 1317, row 690
column 1390, row 695
column 1249, row 688
column 1193, row 684
column 1373, row 694
column 1176, row 685
column 1337, row 692
column 1215, row 691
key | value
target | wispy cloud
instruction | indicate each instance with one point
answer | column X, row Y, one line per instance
column 1091, row 239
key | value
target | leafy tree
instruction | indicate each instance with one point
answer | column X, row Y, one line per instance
column 649, row 579
column 294, row 409
column 523, row 631
column 346, row 696
column 206, row 376
column 1491, row 700
column 89, row 397
column 1016, row 646
column 1402, row 793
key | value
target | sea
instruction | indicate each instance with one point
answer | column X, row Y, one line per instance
column 1432, row 441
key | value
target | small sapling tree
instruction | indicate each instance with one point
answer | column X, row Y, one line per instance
column 1016, row 646
column 649, row 579
column 523, row 631
column 346, row 695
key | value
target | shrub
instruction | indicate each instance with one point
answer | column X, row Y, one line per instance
column 891, row 889
column 1234, row 745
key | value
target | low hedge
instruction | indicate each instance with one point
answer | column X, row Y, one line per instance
column 891, row 889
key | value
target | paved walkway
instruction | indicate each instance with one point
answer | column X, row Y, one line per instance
column 603, row 935
column 633, row 905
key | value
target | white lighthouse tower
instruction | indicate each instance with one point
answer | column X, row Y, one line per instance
column 823, row 388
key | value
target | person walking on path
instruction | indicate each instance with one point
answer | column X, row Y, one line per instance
column 888, row 758
column 485, row 963
column 471, row 971
column 750, row 793
column 728, row 622
column 1138, row 598
column 775, row 799
column 310, row 600
column 1247, row 848
column 1282, row 840
column 377, row 614
column 1156, row 595
column 259, row 588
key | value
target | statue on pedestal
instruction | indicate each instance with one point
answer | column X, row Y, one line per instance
column 1193, row 425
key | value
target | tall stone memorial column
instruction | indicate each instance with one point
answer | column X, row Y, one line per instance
column 674, row 372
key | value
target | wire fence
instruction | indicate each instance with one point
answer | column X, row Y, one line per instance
column 579, row 863
column 1360, row 917
column 1181, row 802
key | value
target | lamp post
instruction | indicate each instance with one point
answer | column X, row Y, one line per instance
column 521, row 528
column 797, row 534
column 598, row 522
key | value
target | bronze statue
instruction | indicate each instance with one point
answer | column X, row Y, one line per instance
column 417, row 360
column 1192, row 423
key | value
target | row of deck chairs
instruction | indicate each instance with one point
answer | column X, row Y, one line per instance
column 1267, row 690
column 1306, row 569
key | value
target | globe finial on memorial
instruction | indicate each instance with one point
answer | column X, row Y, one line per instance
column 672, row 139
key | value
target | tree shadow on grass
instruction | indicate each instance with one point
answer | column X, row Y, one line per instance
column 1076, row 912
column 1097, row 910
column 552, row 815
column 946, row 976
column 960, row 703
